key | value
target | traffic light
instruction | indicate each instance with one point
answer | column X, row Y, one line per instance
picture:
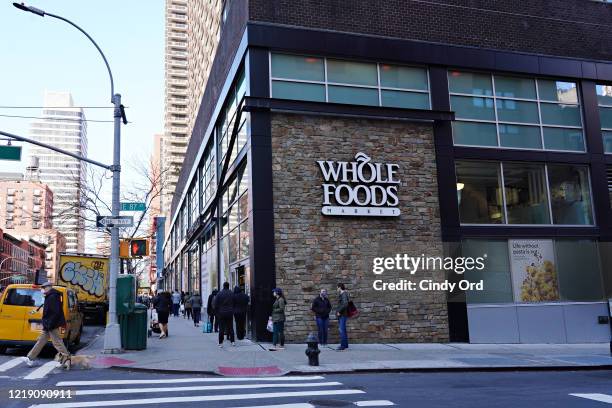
column 124, row 249
column 139, row 247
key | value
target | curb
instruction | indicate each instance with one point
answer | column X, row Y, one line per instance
column 382, row 370
column 456, row 369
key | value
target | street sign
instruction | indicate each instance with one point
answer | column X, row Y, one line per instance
column 133, row 207
column 108, row 221
column 10, row 153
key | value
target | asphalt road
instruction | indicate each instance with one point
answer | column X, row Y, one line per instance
column 459, row 389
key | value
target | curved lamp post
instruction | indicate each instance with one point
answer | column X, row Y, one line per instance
column 112, row 336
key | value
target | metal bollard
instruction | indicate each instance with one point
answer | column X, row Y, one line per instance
column 313, row 350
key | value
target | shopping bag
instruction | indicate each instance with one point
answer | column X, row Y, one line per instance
column 351, row 310
column 270, row 326
column 207, row 327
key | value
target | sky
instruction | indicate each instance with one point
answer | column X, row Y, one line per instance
column 43, row 53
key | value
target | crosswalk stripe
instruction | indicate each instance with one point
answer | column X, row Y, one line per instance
column 377, row 403
column 595, row 397
column 197, row 398
column 42, row 370
column 11, row 363
column 186, row 380
column 204, row 388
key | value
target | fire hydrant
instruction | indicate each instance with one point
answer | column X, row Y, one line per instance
column 313, row 350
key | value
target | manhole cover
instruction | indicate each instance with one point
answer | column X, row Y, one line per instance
column 330, row 403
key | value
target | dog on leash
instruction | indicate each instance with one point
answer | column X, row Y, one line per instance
column 67, row 361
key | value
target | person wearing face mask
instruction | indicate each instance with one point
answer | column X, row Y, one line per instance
column 52, row 319
column 321, row 307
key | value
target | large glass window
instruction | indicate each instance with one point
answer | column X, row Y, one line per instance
column 319, row 79
column 570, row 194
column 515, row 112
column 479, row 193
column 604, row 99
column 497, row 287
column 525, row 191
column 532, row 193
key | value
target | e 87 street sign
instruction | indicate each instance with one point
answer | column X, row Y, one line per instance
column 108, row 221
column 133, row 207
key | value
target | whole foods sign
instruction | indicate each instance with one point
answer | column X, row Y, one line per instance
column 360, row 187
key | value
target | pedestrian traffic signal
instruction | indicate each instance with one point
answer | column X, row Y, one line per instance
column 139, row 247
column 124, row 249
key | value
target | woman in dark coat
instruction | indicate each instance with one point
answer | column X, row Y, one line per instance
column 163, row 304
column 210, row 310
column 241, row 304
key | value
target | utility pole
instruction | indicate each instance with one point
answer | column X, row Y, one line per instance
column 112, row 335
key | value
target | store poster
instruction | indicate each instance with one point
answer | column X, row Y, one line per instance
column 534, row 273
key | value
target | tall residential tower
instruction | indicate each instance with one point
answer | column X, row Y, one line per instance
column 192, row 33
column 64, row 126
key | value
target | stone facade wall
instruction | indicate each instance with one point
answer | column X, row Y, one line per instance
column 314, row 251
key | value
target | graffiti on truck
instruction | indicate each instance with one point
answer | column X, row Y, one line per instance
column 91, row 279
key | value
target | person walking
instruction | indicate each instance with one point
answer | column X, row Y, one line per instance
column 162, row 303
column 52, row 319
column 278, row 319
column 321, row 307
column 210, row 310
column 224, row 308
column 196, row 308
column 187, row 304
column 241, row 304
column 176, row 302
column 342, row 315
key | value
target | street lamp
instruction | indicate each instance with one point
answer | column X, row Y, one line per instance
column 112, row 336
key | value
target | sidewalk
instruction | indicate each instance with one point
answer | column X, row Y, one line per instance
column 187, row 349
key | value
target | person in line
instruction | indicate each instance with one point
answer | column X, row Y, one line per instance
column 321, row 307
column 241, row 304
column 224, row 308
column 176, row 302
column 342, row 315
column 278, row 319
column 210, row 310
column 196, row 307
column 52, row 319
column 187, row 305
column 163, row 304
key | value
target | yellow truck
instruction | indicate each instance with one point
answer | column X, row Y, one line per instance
column 88, row 276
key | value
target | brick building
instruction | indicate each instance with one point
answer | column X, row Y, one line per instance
column 19, row 259
column 25, row 204
column 485, row 131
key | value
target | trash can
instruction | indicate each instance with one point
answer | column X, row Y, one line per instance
column 134, row 328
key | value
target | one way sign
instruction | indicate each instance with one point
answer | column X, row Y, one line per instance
column 122, row 221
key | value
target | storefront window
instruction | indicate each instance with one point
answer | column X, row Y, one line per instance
column 570, row 194
column 526, row 195
column 352, row 82
column 479, row 193
column 579, row 270
column 497, row 287
column 525, row 191
column 515, row 112
column 534, row 270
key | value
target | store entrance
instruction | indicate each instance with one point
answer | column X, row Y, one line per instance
column 239, row 276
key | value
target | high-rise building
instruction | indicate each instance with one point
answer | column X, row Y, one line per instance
column 64, row 126
column 192, row 33
column 176, row 96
